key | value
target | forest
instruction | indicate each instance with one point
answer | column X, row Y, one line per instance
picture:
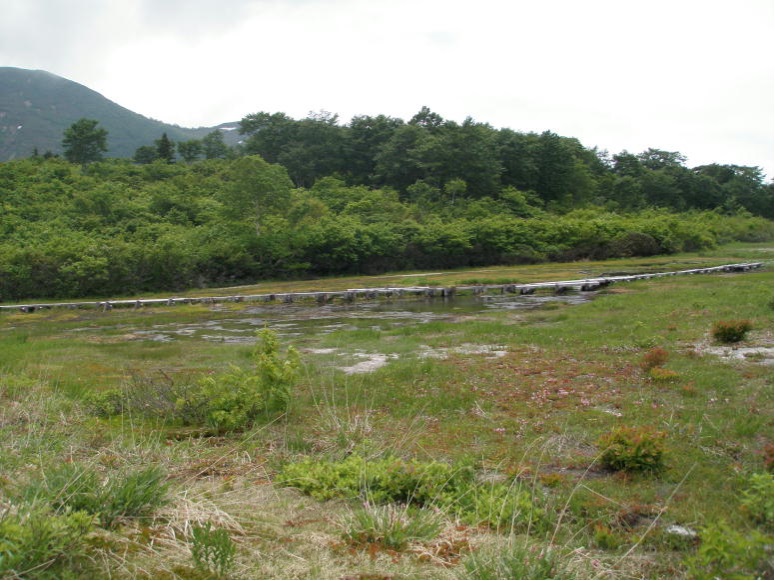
column 314, row 197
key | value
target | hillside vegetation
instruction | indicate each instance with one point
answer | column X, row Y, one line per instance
column 36, row 107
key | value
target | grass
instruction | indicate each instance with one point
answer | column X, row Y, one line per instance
column 533, row 415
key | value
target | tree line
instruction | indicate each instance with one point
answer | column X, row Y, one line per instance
column 432, row 159
column 116, row 227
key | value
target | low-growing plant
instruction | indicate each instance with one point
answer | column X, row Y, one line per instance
column 633, row 449
column 607, row 539
column 36, row 543
column 105, row 404
column 506, row 507
column 757, row 500
column 453, row 489
column 732, row 331
column 516, row 562
column 381, row 480
column 156, row 395
column 392, row 526
column 212, row 549
column 67, row 487
column 226, row 401
column 767, row 453
column 231, row 400
column 72, row 487
column 726, row 553
column 655, row 357
column 662, row 375
column 134, row 495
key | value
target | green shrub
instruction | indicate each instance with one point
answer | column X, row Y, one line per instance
column 633, row 450
column 635, row 244
column 34, row 543
column 226, row 401
column 607, row 539
column 231, row 400
column 67, row 487
column 391, row 526
column 732, row 331
column 213, row 550
column 726, row 553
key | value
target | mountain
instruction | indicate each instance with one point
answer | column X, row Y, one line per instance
column 36, row 107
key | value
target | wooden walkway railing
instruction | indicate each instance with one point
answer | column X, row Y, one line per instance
column 322, row 297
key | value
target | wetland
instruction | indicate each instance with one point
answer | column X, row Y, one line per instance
column 493, row 411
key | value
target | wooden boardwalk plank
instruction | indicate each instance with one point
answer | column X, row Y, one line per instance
column 322, row 297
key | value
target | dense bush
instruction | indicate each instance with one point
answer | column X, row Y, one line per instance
column 114, row 228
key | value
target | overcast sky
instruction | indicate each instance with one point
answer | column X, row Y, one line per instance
column 694, row 76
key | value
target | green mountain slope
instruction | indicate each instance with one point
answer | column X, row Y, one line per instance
column 36, row 107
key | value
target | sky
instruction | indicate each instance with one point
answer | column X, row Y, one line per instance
column 693, row 76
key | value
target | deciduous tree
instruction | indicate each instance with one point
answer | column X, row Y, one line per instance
column 257, row 189
column 190, row 150
column 84, row 142
column 214, row 146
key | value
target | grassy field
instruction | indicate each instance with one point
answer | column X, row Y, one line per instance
column 611, row 439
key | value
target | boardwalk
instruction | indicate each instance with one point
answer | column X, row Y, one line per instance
column 557, row 287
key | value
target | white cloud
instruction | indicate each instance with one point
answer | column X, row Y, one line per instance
column 690, row 75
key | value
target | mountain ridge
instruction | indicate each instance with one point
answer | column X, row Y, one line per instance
column 37, row 106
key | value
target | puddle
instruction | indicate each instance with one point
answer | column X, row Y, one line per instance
column 313, row 320
column 295, row 321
